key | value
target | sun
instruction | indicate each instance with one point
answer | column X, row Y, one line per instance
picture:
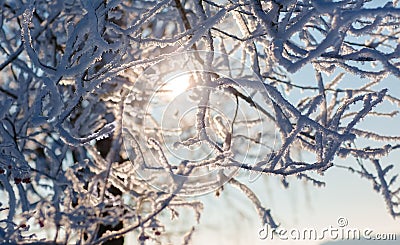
column 177, row 85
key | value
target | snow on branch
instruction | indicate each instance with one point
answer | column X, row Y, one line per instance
column 94, row 144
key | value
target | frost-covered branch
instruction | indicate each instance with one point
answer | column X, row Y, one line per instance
column 93, row 144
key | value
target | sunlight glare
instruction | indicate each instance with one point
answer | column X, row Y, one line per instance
column 177, row 85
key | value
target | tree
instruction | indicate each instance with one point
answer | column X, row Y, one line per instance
column 98, row 140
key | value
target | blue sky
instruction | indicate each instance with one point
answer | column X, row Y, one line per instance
column 231, row 218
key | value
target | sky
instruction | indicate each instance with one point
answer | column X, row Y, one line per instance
column 231, row 218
